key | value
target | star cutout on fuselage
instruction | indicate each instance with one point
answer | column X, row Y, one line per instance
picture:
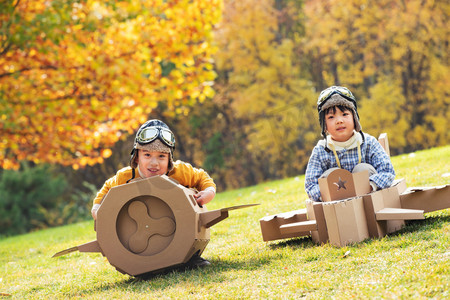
column 341, row 184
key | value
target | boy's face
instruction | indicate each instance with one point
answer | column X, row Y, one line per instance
column 152, row 163
column 340, row 124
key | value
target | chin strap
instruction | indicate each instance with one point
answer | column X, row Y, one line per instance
column 133, row 174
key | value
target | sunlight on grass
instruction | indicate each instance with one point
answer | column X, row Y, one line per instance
column 412, row 263
column 424, row 168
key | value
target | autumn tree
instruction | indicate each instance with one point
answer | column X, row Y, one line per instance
column 259, row 123
column 77, row 76
column 276, row 56
column 394, row 55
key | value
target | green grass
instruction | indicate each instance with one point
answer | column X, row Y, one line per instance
column 412, row 263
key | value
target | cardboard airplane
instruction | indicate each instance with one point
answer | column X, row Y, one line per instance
column 350, row 213
column 150, row 225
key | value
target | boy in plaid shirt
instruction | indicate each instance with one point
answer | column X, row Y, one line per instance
column 345, row 145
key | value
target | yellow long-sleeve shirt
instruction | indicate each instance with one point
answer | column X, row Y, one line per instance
column 182, row 172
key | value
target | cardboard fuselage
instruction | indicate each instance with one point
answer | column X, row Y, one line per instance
column 151, row 224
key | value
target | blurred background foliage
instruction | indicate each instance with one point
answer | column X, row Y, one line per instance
column 237, row 82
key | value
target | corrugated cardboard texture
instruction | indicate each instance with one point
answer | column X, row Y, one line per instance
column 304, row 227
column 346, row 221
column 270, row 225
column 400, row 184
column 315, row 212
column 391, row 199
column 399, row 214
column 384, row 142
column 376, row 201
column 426, row 199
column 373, row 203
column 341, row 184
column 150, row 224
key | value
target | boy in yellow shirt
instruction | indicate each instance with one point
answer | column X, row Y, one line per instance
column 152, row 155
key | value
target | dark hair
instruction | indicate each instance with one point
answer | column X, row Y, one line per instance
column 332, row 109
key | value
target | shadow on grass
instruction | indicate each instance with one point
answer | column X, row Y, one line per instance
column 175, row 276
column 300, row 242
column 433, row 220
column 217, row 271
column 212, row 272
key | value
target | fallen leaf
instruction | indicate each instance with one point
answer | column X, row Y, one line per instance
column 346, row 254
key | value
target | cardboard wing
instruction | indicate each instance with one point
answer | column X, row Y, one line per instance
column 213, row 217
column 427, row 199
column 384, row 212
column 88, row 247
column 281, row 226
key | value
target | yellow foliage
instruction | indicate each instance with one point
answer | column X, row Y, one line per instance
column 375, row 47
column 263, row 83
column 106, row 153
column 81, row 76
column 386, row 96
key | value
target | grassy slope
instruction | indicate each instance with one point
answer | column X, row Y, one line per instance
column 414, row 262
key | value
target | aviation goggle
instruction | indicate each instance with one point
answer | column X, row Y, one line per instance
column 149, row 134
column 327, row 93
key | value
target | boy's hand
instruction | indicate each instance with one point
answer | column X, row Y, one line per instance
column 204, row 197
column 373, row 187
column 94, row 211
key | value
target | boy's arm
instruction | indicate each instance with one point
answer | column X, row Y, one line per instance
column 205, row 196
column 111, row 182
column 102, row 193
column 191, row 177
column 99, row 198
column 382, row 164
column 199, row 179
column 313, row 172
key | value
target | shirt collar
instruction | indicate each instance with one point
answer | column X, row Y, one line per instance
column 351, row 143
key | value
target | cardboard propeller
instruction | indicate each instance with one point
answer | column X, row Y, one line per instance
column 151, row 224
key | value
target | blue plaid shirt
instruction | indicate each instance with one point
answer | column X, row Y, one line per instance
column 371, row 153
